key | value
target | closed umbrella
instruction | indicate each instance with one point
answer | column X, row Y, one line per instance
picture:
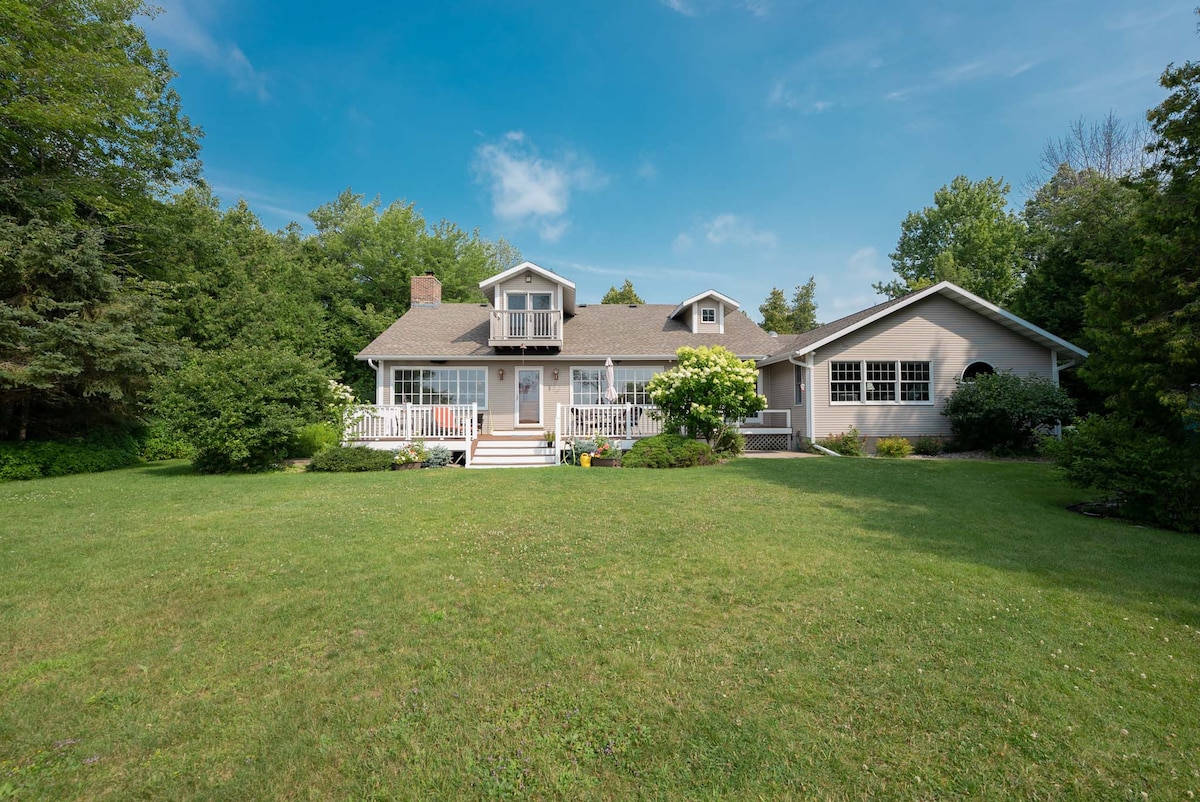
column 610, row 394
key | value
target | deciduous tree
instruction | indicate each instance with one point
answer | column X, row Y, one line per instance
column 708, row 387
column 967, row 237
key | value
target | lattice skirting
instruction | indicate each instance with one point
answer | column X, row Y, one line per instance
column 768, row 442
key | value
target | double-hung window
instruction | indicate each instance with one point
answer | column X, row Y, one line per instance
column 427, row 386
column 880, row 382
column 588, row 385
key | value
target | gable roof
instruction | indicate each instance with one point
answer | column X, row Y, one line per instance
column 529, row 267
column 460, row 331
column 725, row 299
column 830, row 332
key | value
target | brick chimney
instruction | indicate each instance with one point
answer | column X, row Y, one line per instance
column 426, row 290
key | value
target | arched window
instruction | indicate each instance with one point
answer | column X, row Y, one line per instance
column 976, row 369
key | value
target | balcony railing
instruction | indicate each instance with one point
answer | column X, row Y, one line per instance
column 533, row 327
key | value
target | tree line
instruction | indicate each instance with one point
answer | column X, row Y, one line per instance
column 118, row 265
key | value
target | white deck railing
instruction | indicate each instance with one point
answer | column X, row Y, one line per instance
column 416, row 422
column 520, row 324
column 633, row 421
column 613, row 421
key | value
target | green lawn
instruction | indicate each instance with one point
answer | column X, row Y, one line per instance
column 814, row 628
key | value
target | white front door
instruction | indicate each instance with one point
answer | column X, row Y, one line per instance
column 529, row 397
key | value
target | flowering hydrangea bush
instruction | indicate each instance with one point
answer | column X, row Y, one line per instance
column 344, row 409
column 708, row 387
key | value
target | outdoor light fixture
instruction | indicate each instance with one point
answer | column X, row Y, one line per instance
column 529, row 278
column 500, row 373
column 556, row 374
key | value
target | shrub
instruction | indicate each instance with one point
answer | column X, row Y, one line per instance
column 101, row 451
column 1147, row 477
column 893, row 447
column 1002, row 412
column 848, row 444
column 314, row 438
column 580, row 446
column 351, row 459
column 707, row 387
column 668, row 451
column 240, row 408
column 439, row 457
column 928, row 446
column 158, row 442
column 729, row 442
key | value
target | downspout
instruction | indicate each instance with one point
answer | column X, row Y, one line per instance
column 373, row 365
column 807, row 364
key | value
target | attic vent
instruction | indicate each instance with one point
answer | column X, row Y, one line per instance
column 583, row 306
column 633, row 306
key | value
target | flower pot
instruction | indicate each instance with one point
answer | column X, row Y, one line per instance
column 606, row 462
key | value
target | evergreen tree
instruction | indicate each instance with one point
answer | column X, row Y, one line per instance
column 775, row 313
column 626, row 295
column 803, row 312
column 90, row 136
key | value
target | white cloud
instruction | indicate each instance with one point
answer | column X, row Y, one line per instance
column 682, row 243
column 529, row 189
column 865, row 263
column 729, row 228
column 183, row 33
column 682, row 6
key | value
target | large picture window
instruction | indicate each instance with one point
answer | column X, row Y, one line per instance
column 879, row 382
column 427, row 386
column 588, row 385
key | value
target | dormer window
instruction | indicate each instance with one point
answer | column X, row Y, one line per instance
column 708, row 314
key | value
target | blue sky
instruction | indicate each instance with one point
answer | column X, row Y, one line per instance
column 682, row 144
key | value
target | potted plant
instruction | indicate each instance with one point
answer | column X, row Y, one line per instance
column 410, row 456
column 606, row 455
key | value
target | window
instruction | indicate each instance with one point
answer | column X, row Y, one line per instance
column 588, row 385
column 631, row 385
column 708, row 314
column 976, row 369
column 585, row 385
column 879, row 382
column 440, row 386
column 914, row 381
column 799, row 385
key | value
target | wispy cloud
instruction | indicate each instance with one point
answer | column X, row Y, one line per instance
column 865, row 263
column 734, row 230
column 783, row 96
column 681, row 6
column 692, row 8
column 998, row 67
column 183, row 33
column 646, row 169
column 273, row 203
column 532, row 190
column 682, row 243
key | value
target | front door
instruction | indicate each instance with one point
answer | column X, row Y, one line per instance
column 529, row 396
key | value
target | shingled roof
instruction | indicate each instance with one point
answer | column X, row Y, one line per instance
column 601, row 330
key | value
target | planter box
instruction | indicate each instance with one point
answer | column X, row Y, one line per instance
column 408, row 466
column 606, row 462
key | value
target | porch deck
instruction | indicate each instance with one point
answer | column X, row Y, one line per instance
column 459, row 426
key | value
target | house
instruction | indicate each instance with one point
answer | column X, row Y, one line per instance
column 510, row 381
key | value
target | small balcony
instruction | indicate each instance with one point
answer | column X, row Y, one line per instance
column 517, row 328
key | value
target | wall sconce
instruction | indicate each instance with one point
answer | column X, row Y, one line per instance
column 556, row 374
column 500, row 373
column 529, row 278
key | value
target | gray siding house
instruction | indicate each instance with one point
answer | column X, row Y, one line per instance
column 510, row 381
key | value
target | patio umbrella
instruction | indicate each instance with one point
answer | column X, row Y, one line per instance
column 610, row 394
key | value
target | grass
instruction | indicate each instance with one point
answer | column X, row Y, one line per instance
column 840, row 629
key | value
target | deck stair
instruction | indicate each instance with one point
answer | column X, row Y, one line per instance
column 513, row 451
